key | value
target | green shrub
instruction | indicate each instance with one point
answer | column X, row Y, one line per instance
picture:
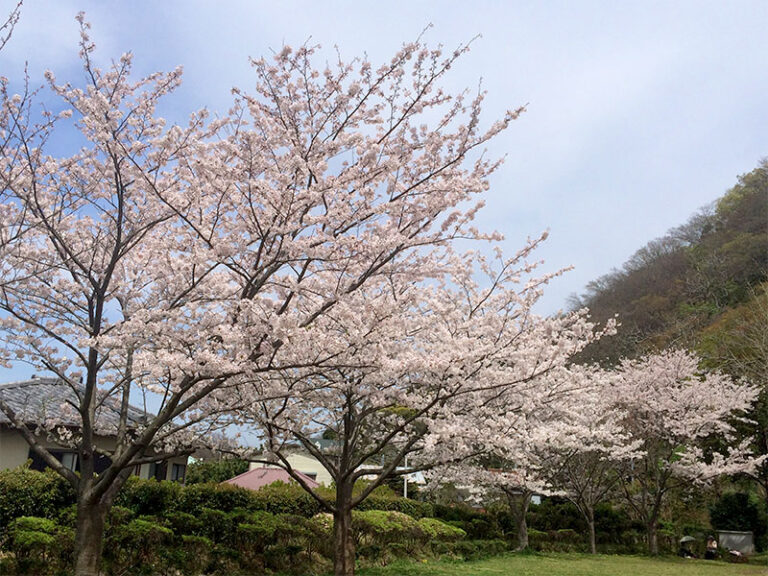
column 491, row 547
column 40, row 545
column 438, row 530
column 413, row 508
column 282, row 498
column 224, row 497
column 25, row 492
column 385, row 527
column 195, row 554
column 118, row 516
column 476, row 549
column 139, row 546
column 258, row 532
column 216, row 525
column 145, row 497
column 214, row 471
column 466, row 549
column 320, row 535
column 182, row 524
column 224, row 561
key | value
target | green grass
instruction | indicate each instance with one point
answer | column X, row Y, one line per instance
column 569, row 565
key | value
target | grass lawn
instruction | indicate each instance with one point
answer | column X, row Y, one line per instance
column 570, row 565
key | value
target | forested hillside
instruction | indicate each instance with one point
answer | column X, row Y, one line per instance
column 701, row 286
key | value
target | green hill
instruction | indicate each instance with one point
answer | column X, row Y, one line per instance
column 701, row 286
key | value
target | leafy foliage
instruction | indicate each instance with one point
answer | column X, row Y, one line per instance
column 214, row 470
column 25, row 492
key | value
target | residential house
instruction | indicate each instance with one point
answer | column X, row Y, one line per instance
column 257, row 478
column 301, row 460
column 49, row 400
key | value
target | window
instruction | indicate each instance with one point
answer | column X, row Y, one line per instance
column 156, row 470
column 177, row 472
column 69, row 460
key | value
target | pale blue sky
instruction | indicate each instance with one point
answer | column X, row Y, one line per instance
column 638, row 112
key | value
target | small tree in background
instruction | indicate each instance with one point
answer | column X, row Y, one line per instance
column 587, row 447
column 670, row 407
column 214, row 470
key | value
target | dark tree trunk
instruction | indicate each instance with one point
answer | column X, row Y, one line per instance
column 343, row 537
column 92, row 514
column 522, row 533
column 653, row 539
column 89, row 537
column 343, row 543
column 518, row 504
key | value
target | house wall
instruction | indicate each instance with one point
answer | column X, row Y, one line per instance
column 14, row 451
column 144, row 471
column 306, row 465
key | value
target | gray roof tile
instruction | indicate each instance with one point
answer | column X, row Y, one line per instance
column 49, row 399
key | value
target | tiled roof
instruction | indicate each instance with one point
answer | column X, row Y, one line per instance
column 260, row 477
column 49, row 400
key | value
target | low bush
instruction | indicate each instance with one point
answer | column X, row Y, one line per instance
column 139, row 546
column 225, row 497
column 39, row 545
column 282, row 498
column 412, row 508
column 437, row 530
column 25, row 492
column 386, row 527
column 145, row 497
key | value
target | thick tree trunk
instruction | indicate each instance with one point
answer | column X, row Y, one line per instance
column 653, row 539
column 89, row 537
column 518, row 504
column 343, row 537
column 522, row 533
column 343, row 543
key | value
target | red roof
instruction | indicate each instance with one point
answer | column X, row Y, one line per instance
column 259, row 477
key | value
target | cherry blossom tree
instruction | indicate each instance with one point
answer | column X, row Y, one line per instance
column 514, row 482
column 89, row 248
column 417, row 373
column 586, row 446
column 206, row 265
column 670, row 408
column 537, row 443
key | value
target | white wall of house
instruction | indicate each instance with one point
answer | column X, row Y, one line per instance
column 14, row 450
column 306, row 465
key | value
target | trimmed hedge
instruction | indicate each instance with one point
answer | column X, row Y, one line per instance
column 25, row 492
column 39, row 545
column 166, row 528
